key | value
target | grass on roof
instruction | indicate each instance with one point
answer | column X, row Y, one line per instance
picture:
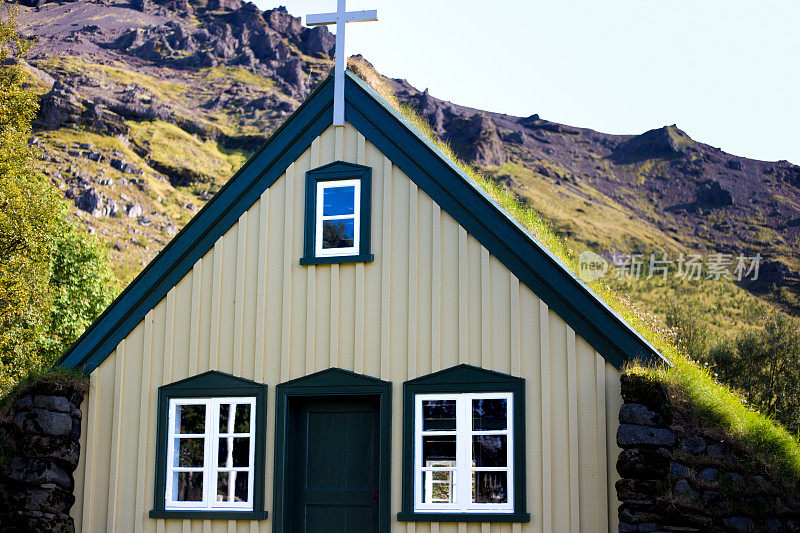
column 56, row 380
column 766, row 439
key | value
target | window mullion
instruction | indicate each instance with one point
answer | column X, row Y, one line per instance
column 357, row 215
column 462, row 446
column 318, row 221
column 212, row 413
column 252, row 467
column 468, row 448
column 510, row 479
column 170, row 451
column 229, row 458
column 418, row 488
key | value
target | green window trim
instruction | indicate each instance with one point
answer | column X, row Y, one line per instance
column 210, row 385
column 463, row 517
column 464, row 379
column 338, row 170
column 331, row 382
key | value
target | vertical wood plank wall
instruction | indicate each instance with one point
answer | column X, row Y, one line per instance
column 433, row 298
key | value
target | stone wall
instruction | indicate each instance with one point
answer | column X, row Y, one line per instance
column 680, row 473
column 39, row 450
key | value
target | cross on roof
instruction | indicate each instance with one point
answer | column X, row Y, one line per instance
column 340, row 18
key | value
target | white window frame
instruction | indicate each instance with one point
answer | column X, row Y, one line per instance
column 210, row 468
column 462, row 501
column 356, row 217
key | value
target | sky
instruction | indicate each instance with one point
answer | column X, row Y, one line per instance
column 727, row 72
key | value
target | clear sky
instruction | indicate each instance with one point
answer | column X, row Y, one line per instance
column 727, row 72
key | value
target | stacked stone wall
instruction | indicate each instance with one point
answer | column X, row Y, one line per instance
column 39, row 450
column 681, row 473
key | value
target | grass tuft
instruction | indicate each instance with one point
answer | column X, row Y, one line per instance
column 766, row 439
column 55, row 380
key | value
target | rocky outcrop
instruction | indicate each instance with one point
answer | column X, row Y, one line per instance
column 63, row 107
column 291, row 72
column 59, row 107
column 268, row 46
column 236, row 34
column 93, row 202
column 679, row 473
column 319, row 41
column 661, row 143
column 282, row 22
column 224, row 5
column 712, row 194
column 39, row 433
column 476, row 140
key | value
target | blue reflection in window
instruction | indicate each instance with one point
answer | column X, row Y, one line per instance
column 338, row 233
column 338, row 201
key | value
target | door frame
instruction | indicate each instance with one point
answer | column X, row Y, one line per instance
column 325, row 384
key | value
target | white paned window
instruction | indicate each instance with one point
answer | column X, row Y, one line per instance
column 210, row 454
column 463, row 453
column 338, row 218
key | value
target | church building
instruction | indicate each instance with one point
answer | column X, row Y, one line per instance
column 352, row 336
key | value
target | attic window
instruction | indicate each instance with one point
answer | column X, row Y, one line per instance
column 337, row 218
column 337, row 226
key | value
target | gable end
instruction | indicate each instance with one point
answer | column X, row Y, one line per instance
column 431, row 170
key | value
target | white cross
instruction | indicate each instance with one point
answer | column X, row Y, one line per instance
column 340, row 18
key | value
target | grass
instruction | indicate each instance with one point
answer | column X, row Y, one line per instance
column 605, row 220
column 166, row 90
column 55, row 380
column 729, row 308
column 229, row 74
column 763, row 437
column 117, row 73
column 175, row 148
column 129, row 257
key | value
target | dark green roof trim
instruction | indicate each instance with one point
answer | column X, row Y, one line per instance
column 284, row 146
column 428, row 167
column 493, row 227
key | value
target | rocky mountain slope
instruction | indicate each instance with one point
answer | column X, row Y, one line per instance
column 148, row 107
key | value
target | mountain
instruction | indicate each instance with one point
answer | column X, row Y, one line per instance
column 149, row 106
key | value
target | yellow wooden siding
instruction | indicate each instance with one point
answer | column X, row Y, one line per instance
column 433, row 298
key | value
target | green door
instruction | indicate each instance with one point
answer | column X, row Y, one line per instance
column 335, row 464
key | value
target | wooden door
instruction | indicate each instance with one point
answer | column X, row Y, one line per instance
column 335, row 464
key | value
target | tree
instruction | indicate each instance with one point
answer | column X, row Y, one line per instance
column 691, row 334
column 764, row 365
column 54, row 280
column 81, row 287
column 29, row 209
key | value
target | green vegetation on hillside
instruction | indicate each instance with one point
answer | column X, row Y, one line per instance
column 172, row 149
column 54, row 280
column 589, row 220
column 763, row 364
